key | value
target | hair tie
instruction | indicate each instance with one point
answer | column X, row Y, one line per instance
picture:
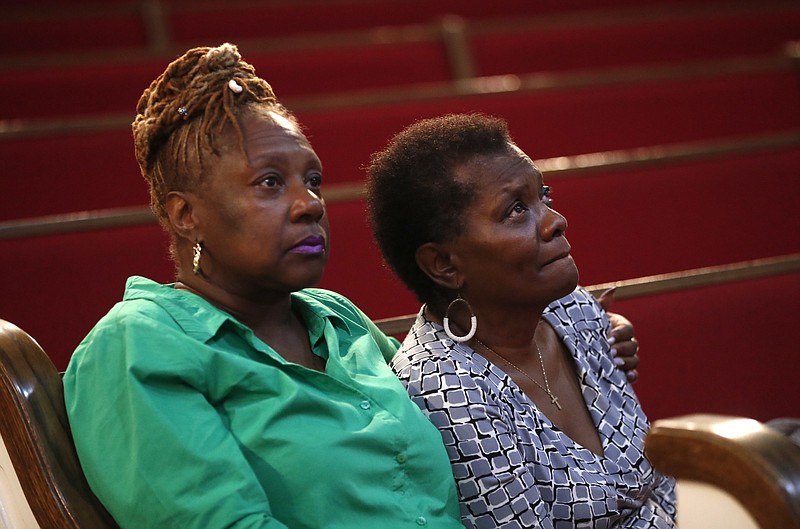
column 236, row 87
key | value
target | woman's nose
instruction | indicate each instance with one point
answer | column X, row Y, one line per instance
column 306, row 204
column 553, row 224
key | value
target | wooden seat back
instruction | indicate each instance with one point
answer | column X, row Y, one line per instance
column 755, row 465
column 44, row 470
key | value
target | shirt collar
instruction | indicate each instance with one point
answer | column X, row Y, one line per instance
column 315, row 313
column 202, row 320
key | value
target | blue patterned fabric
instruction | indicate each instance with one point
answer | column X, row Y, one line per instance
column 513, row 467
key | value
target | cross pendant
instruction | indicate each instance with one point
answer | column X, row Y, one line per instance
column 554, row 400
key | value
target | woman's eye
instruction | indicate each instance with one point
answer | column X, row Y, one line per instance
column 315, row 181
column 517, row 209
column 269, row 181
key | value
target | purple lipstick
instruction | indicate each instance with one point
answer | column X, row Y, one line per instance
column 313, row 244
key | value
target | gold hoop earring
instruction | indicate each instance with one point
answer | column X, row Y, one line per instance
column 473, row 322
column 198, row 251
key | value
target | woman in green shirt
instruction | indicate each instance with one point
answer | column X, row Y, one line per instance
column 238, row 396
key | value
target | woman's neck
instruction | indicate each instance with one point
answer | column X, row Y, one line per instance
column 508, row 328
column 262, row 314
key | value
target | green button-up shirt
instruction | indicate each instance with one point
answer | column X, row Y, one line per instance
column 183, row 418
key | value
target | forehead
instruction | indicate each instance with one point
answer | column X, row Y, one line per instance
column 265, row 132
column 498, row 170
column 259, row 123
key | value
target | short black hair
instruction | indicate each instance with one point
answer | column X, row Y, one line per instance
column 413, row 196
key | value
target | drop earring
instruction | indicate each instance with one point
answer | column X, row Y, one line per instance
column 473, row 325
column 198, row 251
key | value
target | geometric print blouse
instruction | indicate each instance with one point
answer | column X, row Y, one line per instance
column 513, row 468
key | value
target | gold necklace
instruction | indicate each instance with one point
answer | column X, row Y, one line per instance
column 545, row 388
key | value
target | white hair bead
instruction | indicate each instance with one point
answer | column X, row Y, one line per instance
column 236, row 87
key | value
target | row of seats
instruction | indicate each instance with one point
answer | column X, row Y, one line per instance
column 122, row 24
column 725, row 349
column 102, row 172
column 624, row 223
column 728, row 349
column 339, row 65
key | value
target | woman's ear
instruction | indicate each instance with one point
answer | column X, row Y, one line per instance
column 181, row 215
column 434, row 259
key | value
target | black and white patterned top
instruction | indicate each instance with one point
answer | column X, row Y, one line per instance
column 513, row 467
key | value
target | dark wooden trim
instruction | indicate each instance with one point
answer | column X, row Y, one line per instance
column 41, row 128
column 510, row 84
column 755, row 464
column 454, row 37
column 632, row 15
column 563, row 166
column 468, row 87
column 701, row 277
column 36, row 433
column 554, row 168
column 658, row 284
column 76, row 222
column 154, row 17
column 339, row 39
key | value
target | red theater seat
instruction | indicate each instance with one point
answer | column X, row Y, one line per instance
column 57, row 287
column 631, row 223
column 98, row 170
column 728, row 349
column 36, row 92
column 70, row 27
column 575, row 121
column 39, row 92
column 191, row 24
column 640, row 40
column 70, row 172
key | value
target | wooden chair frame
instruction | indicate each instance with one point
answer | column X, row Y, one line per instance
column 35, row 429
column 758, row 466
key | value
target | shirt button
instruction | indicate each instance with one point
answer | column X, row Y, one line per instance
column 401, row 458
column 422, row 521
column 365, row 405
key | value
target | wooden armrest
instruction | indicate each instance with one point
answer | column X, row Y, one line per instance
column 755, row 464
column 35, row 430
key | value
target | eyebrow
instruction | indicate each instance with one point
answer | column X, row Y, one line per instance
column 270, row 158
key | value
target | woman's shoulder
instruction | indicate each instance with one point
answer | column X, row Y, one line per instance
column 149, row 317
column 142, row 301
column 428, row 352
column 424, row 342
column 323, row 295
column 146, row 304
column 578, row 308
column 328, row 300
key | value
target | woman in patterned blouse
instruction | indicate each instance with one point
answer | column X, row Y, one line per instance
column 509, row 358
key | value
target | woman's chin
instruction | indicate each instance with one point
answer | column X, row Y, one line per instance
column 568, row 278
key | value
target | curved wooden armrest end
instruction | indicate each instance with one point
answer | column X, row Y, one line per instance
column 35, row 429
column 755, row 464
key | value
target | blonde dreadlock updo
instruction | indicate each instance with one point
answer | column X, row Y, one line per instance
column 182, row 114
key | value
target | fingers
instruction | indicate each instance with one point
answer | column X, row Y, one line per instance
column 606, row 299
column 621, row 338
column 628, row 366
column 621, row 329
column 625, row 356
